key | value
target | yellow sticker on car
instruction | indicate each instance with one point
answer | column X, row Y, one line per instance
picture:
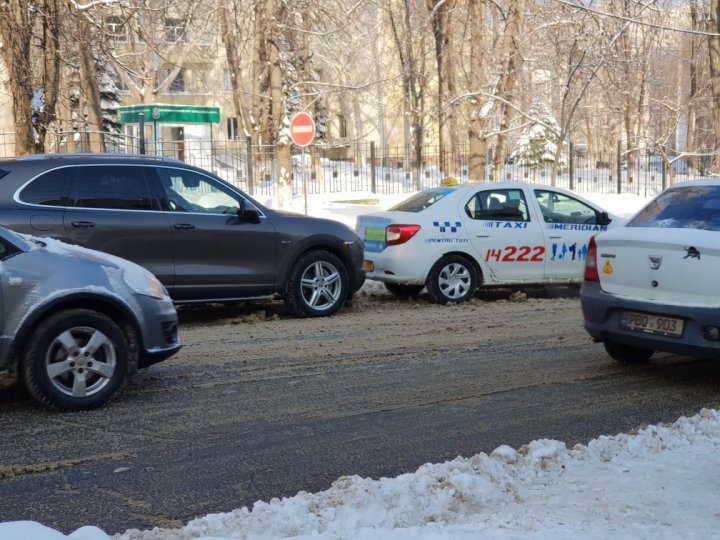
column 607, row 269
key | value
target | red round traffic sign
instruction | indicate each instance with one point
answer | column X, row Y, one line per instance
column 302, row 129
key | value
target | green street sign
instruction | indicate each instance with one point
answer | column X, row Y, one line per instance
column 181, row 114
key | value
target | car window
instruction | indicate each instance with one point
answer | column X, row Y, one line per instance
column 559, row 208
column 49, row 188
column 421, row 201
column 189, row 191
column 116, row 187
column 7, row 249
column 498, row 205
column 3, row 171
column 693, row 207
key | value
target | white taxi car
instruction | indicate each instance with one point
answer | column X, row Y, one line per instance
column 454, row 239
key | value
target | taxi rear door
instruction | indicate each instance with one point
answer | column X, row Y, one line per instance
column 506, row 235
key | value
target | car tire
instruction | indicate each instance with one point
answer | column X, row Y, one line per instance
column 404, row 289
column 318, row 285
column 627, row 354
column 452, row 279
column 77, row 359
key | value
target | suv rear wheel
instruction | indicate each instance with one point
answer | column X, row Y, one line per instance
column 77, row 359
column 318, row 285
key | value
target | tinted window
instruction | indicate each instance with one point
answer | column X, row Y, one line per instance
column 421, row 201
column 116, row 187
column 3, row 171
column 188, row 191
column 498, row 205
column 696, row 207
column 559, row 208
column 48, row 189
column 7, row 249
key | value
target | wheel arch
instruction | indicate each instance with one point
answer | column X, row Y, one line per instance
column 108, row 306
column 466, row 255
column 328, row 244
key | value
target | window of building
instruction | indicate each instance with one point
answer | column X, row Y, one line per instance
column 115, row 28
column 178, row 84
column 232, row 129
column 342, row 126
column 227, row 81
column 174, row 30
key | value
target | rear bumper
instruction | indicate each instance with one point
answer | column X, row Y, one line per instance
column 602, row 312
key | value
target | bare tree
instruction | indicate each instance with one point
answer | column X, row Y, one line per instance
column 18, row 21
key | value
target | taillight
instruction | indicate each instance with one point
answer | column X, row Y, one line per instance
column 399, row 234
column 591, row 271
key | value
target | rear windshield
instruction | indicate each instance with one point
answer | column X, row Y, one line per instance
column 692, row 207
column 421, row 201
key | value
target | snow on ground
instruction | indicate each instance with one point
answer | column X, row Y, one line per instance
column 660, row 483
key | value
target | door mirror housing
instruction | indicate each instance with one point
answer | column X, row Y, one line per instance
column 248, row 212
column 604, row 218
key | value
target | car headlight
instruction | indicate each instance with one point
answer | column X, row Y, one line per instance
column 143, row 282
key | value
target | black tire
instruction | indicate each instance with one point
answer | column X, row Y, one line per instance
column 76, row 352
column 627, row 354
column 318, row 285
column 404, row 289
column 453, row 279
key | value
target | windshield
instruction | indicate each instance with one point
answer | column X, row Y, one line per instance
column 421, row 201
column 691, row 207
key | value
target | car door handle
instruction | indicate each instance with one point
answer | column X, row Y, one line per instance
column 483, row 235
column 82, row 224
column 184, row 226
column 555, row 236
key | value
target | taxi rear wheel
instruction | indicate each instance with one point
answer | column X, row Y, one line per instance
column 453, row 279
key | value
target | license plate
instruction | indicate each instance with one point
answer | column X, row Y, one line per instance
column 369, row 266
column 652, row 324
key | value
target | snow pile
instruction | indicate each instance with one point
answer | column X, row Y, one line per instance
column 627, row 486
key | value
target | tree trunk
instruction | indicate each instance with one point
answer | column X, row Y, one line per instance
column 90, row 87
column 15, row 32
column 230, row 40
column 508, row 80
column 280, row 122
column 477, row 161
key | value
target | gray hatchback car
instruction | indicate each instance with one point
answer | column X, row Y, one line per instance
column 75, row 323
column 203, row 238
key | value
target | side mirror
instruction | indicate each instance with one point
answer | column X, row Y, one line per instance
column 604, row 219
column 248, row 213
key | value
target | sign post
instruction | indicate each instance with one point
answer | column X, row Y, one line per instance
column 302, row 133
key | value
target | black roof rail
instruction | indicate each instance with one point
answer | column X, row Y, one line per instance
column 70, row 155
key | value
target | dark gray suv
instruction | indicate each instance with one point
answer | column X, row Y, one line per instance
column 203, row 238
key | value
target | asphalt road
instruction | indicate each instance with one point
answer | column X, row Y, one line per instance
column 260, row 405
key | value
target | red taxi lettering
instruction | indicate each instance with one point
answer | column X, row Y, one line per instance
column 516, row 254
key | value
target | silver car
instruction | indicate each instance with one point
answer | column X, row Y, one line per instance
column 652, row 285
column 76, row 323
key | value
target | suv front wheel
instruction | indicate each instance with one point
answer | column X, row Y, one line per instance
column 318, row 285
column 76, row 359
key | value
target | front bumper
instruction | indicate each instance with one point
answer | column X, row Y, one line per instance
column 602, row 312
column 159, row 329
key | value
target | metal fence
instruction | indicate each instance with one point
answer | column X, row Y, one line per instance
column 364, row 169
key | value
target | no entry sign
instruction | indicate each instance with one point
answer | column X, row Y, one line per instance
column 302, row 129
